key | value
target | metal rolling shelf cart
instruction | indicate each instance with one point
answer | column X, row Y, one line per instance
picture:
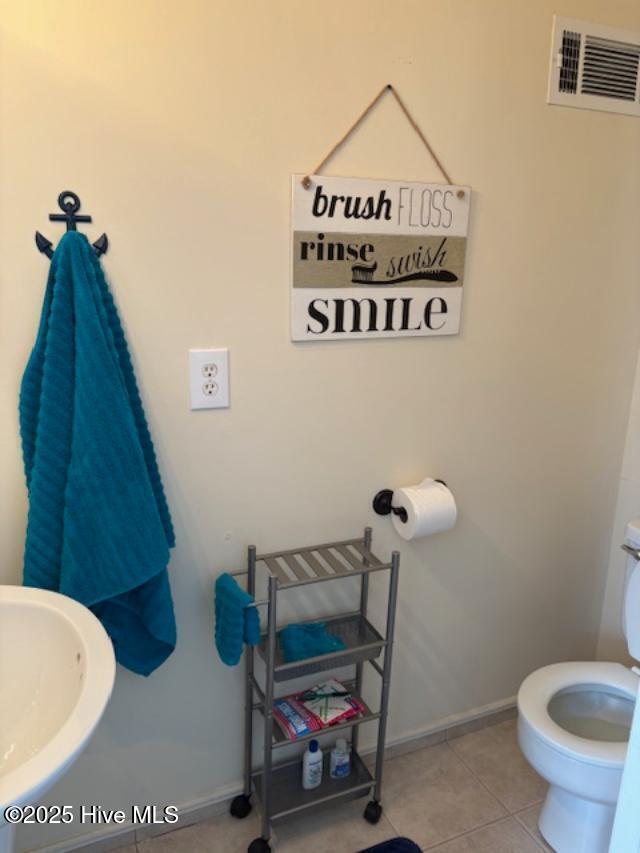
column 278, row 786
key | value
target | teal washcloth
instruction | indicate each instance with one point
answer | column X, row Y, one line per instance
column 307, row 641
column 236, row 621
column 99, row 528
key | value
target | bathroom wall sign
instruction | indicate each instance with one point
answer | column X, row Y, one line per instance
column 376, row 259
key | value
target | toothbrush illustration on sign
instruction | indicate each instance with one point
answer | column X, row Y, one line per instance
column 361, row 274
column 416, row 266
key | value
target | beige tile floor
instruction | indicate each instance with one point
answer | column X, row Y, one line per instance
column 473, row 794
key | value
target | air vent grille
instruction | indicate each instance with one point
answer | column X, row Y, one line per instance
column 570, row 61
column 594, row 67
column 610, row 69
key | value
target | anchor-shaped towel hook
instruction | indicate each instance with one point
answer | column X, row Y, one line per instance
column 69, row 204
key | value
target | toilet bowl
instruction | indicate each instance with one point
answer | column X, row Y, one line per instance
column 573, row 727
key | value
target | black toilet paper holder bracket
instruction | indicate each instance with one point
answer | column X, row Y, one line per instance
column 382, row 504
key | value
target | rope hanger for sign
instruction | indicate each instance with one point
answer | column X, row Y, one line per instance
column 306, row 181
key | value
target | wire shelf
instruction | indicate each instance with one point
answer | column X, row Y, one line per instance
column 325, row 562
column 289, row 797
column 362, row 643
column 279, row 786
column 367, row 716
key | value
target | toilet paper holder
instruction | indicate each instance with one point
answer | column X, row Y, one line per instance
column 382, row 504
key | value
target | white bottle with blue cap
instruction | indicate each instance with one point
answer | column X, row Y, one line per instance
column 340, row 763
column 312, row 766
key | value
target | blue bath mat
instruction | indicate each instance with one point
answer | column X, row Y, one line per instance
column 394, row 845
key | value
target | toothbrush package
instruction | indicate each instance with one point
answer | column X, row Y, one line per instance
column 320, row 707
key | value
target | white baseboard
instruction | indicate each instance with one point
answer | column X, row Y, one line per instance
column 204, row 808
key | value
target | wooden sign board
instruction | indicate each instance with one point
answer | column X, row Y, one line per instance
column 376, row 259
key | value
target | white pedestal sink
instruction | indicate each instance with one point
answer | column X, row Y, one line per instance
column 56, row 675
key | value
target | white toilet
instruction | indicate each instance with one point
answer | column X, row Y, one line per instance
column 573, row 728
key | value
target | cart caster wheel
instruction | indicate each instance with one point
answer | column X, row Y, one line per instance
column 373, row 811
column 259, row 845
column 240, row 806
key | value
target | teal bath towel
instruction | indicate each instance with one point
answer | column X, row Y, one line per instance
column 237, row 622
column 99, row 528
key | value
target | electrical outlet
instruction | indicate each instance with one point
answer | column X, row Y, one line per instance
column 209, row 378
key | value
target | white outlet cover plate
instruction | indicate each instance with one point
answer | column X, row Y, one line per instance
column 209, row 378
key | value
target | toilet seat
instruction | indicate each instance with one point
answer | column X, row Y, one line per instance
column 538, row 689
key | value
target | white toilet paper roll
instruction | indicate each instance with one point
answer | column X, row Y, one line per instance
column 430, row 508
